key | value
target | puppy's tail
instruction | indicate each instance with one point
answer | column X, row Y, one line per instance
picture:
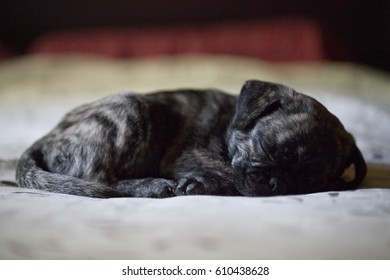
column 360, row 168
column 31, row 173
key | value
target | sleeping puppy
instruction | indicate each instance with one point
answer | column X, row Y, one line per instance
column 271, row 140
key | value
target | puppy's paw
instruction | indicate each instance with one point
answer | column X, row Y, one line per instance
column 162, row 189
column 147, row 187
column 190, row 186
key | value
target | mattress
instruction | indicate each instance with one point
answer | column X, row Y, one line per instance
column 36, row 91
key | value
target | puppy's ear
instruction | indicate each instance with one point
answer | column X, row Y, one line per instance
column 360, row 168
column 257, row 99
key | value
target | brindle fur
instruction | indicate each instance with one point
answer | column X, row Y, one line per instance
column 270, row 140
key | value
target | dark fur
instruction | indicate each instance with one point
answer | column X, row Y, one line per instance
column 271, row 141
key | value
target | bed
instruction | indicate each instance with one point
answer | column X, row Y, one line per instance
column 36, row 90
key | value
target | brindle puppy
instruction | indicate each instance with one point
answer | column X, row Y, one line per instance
column 270, row 140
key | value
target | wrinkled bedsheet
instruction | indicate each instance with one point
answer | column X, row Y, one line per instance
column 36, row 91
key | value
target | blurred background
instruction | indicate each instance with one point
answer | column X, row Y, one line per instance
column 280, row 31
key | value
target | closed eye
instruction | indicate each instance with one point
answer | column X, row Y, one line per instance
column 269, row 156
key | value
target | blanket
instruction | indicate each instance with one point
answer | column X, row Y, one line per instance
column 36, row 91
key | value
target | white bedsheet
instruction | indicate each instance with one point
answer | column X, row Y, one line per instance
column 347, row 225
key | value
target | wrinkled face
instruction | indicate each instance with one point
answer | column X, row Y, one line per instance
column 286, row 158
column 292, row 145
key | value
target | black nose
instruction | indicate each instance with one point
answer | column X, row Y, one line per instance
column 277, row 186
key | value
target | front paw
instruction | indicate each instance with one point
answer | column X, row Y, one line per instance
column 190, row 186
column 162, row 189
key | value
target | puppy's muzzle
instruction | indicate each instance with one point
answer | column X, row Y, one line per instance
column 255, row 184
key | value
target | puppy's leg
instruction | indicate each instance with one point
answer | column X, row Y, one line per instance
column 146, row 187
column 201, row 172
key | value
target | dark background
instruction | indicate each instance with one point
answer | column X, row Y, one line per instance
column 362, row 27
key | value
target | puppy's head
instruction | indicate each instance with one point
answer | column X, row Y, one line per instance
column 284, row 142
